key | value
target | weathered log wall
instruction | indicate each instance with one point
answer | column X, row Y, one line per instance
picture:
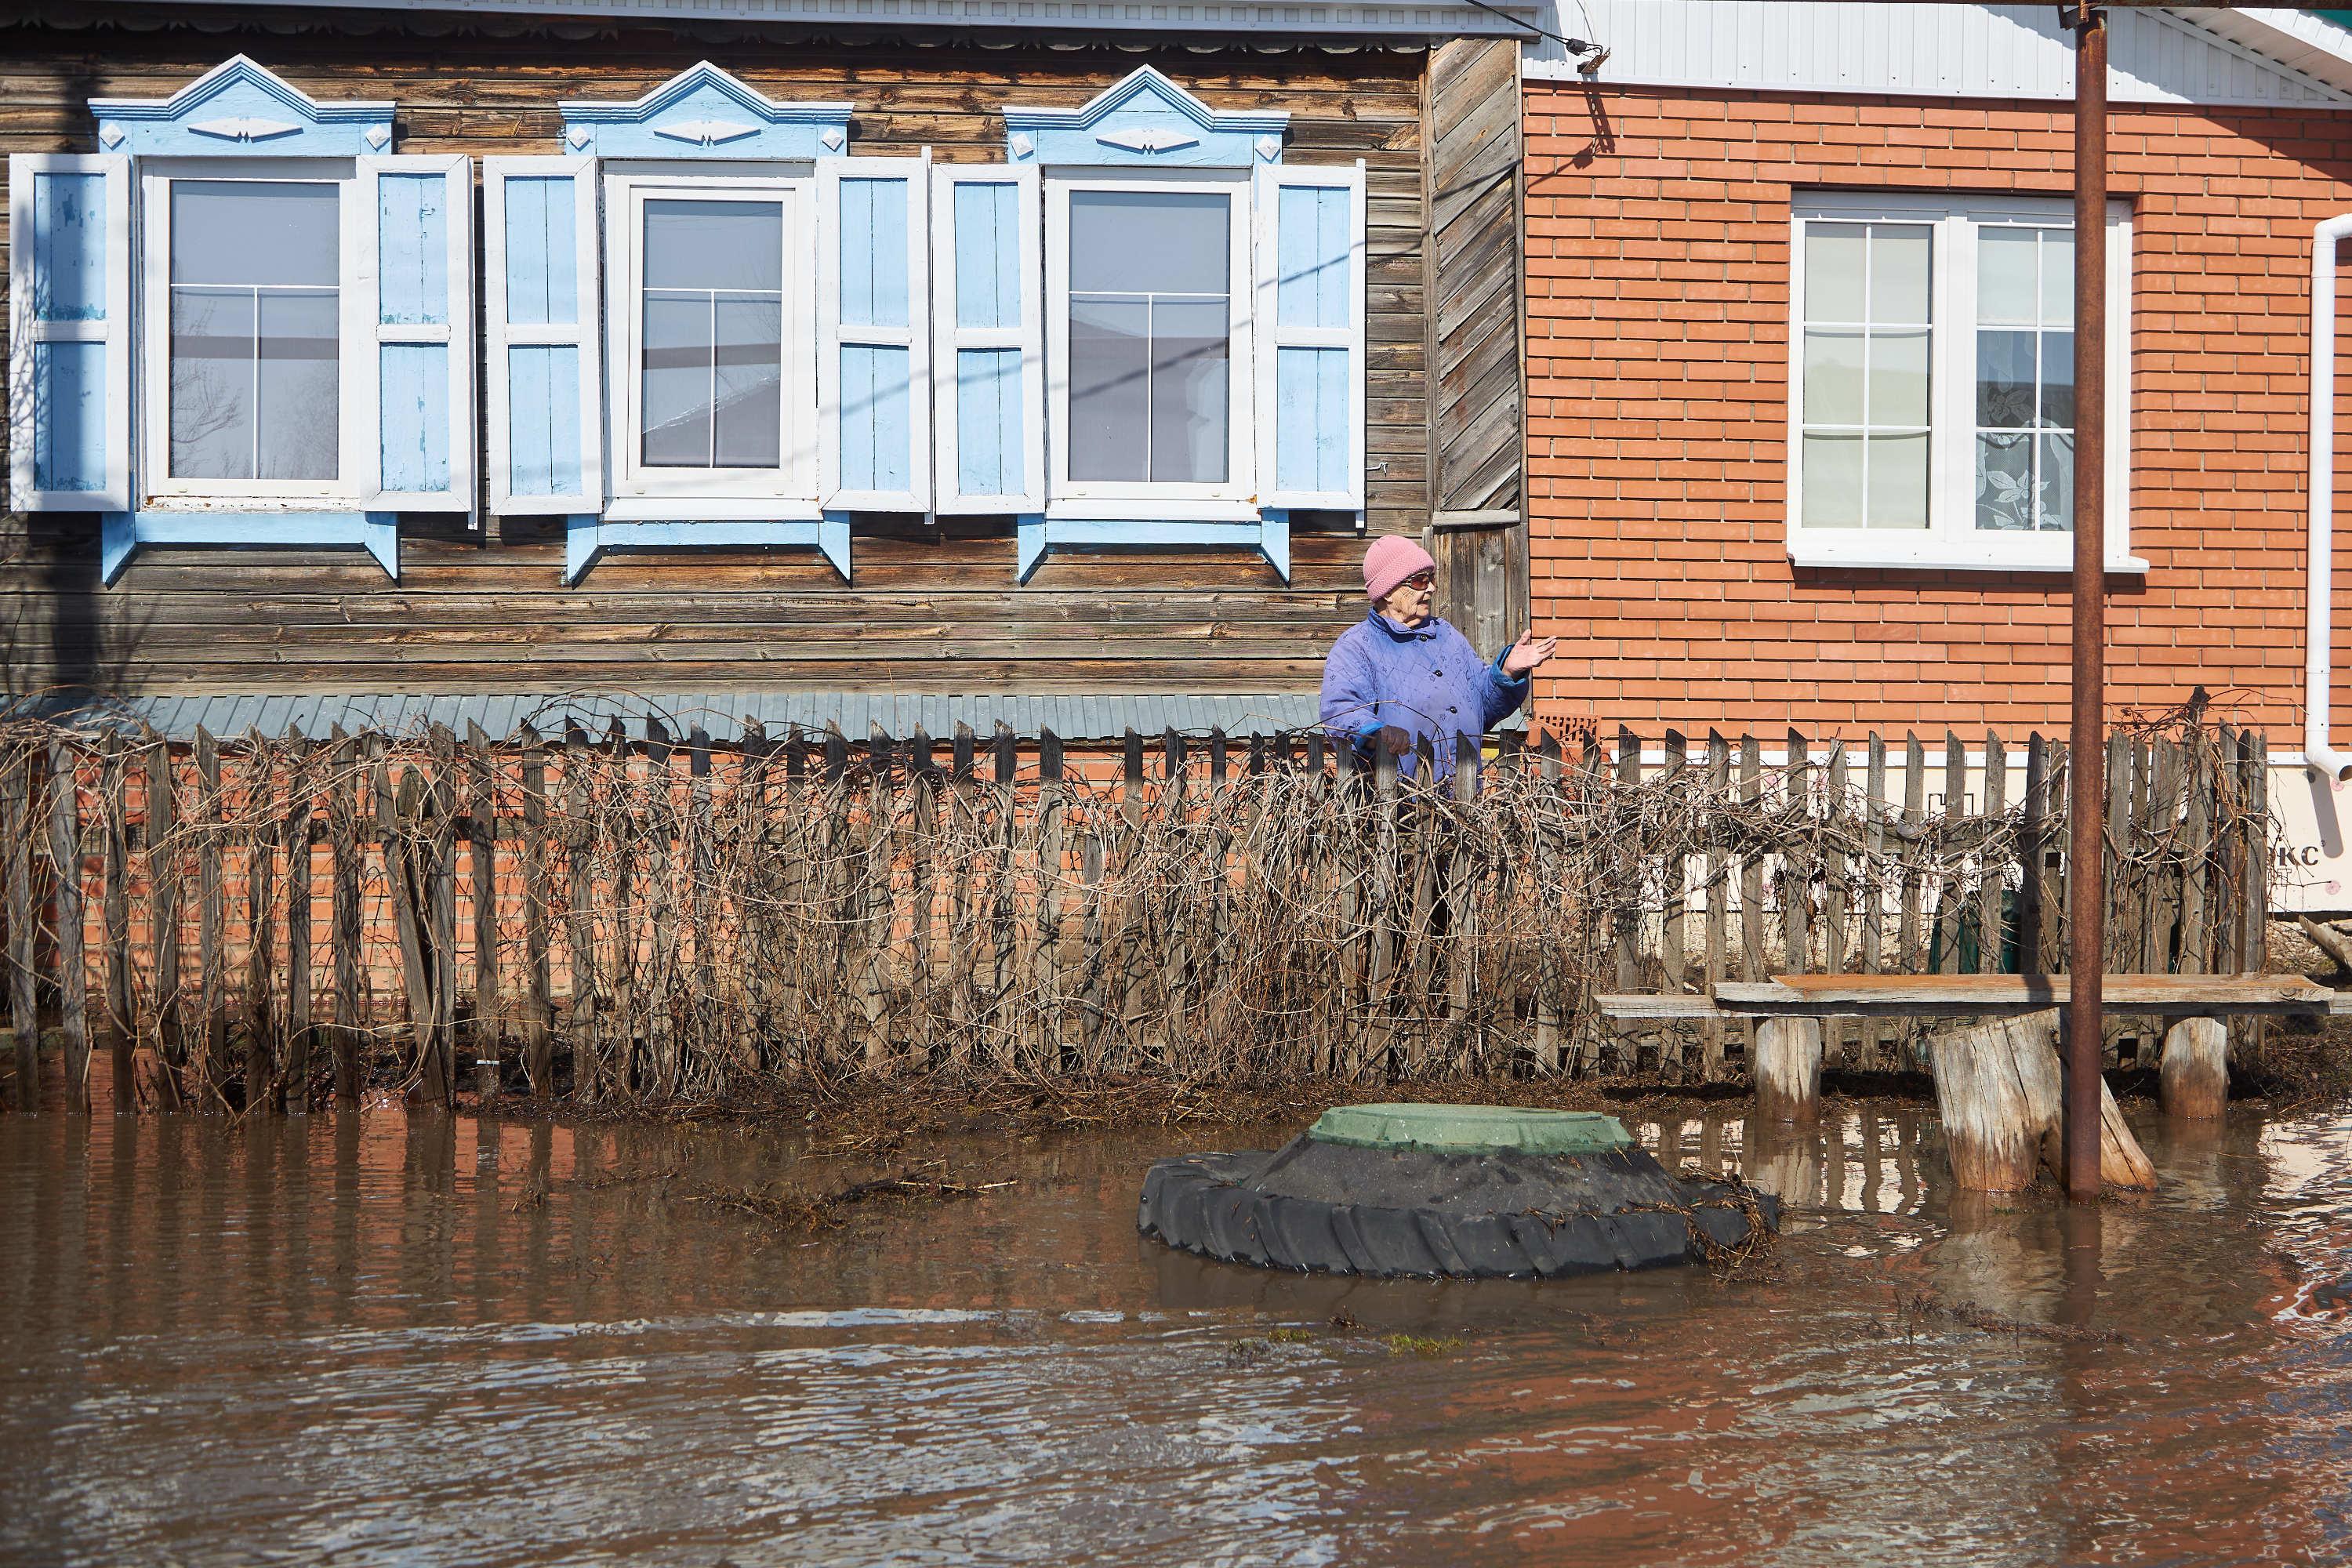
column 934, row 608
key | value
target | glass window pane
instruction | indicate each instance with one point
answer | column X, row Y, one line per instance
column 1833, row 274
column 2004, row 481
column 211, row 383
column 2058, row 277
column 2005, row 275
column 1832, row 385
column 749, row 382
column 1149, row 242
column 1109, row 388
column 1899, row 273
column 676, row 398
column 2057, row 482
column 253, row 231
column 1189, row 387
column 1898, row 481
column 715, row 245
column 297, row 386
column 2004, row 379
column 2058, row 379
column 1898, row 378
column 1833, row 481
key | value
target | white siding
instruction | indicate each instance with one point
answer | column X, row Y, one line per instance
column 1920, row 51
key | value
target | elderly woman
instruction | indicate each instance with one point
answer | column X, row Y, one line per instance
column 1401, row 667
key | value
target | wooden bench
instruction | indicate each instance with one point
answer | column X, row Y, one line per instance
column 2194, row 1069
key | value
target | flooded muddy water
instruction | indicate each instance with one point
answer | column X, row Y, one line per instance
column 388, row 1338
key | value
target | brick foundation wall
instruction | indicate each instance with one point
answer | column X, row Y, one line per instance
column 1658, row 329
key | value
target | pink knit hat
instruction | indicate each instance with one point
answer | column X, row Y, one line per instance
column 1391, row 559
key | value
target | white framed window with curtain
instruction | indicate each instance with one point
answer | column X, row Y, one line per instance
column 711, row 378
column 251, row 331
column 1149, row 288
column 1931, row 408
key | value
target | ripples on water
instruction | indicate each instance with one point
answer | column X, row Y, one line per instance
column 370, row 1339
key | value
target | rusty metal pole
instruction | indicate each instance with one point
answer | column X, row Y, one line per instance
column 2086, row 862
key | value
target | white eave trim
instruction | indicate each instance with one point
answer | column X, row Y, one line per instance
column 2263, row 57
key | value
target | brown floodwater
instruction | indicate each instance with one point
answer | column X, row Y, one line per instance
column 383, row 1338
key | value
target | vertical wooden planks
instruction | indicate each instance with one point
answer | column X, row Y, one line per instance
column 1718, row 895
column 212, row 1029
column 590, row 1075
column 2034, row 913
column 344, row 910
column 1797, row 868
column 1912, row 952
column 2197, row 850
column 293, row 829
column 1673, row 875
column 163, row 840
column 1950, row 895
column 1751, row 881
column 481, row 770
column 1837, row 872
column 1992, row 933
column 1052, row 811
column 261, row 815
column 1461, row 898
column 24, row 1006
column 1131, row 938
column 114, row 914
column 1625, row 902
column 699, row 864
column 1002, row 910
column 439, row 841
column 539, row 1067
column 73, row 968
column 1551, row 980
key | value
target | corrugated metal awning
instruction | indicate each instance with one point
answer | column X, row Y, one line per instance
column 721, row 715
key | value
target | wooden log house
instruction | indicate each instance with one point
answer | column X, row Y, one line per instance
column 750, row 359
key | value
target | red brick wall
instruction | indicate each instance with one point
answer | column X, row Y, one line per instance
column 1658, row 332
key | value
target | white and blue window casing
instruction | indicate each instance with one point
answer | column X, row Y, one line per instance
column 245, row 323
column 1931, row 417
column 709, row 322
column 1204, row 335
column 706, row 322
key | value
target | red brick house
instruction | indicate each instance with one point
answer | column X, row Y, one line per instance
column 1797, row 338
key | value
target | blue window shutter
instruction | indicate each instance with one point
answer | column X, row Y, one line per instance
column 544, row 351
column 874, row 337
column 987, row 313
column 1310, row 346
column 70, row 332
column 416, row 255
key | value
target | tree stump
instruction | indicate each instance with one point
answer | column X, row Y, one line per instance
column 2195, row 1075
column 2003, row 1097
column 1789, row 1070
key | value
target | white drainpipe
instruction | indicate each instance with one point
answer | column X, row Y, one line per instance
column 2321, row 757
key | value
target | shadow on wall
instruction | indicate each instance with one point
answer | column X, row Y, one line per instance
column 60, row 628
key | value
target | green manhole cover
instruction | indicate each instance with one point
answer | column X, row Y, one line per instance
column 1471, row 1130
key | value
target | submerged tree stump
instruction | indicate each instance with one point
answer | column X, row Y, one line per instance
column 2194, row 1073
column 1789, row 1070
column 2003, row 1097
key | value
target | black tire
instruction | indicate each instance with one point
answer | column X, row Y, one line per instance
column 1193, row 1203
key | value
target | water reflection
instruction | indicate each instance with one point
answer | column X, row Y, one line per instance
column 392, row 1338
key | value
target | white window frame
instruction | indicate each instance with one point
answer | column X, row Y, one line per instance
column 356, row 442
column 1234, row 499
column 640, row 491
column 1951, row 540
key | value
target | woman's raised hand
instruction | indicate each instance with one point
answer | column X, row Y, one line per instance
column 1527, row 654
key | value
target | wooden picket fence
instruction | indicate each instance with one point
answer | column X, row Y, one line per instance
column 265, row 921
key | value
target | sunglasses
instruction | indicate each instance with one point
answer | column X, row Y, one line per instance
column 1422, row 580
